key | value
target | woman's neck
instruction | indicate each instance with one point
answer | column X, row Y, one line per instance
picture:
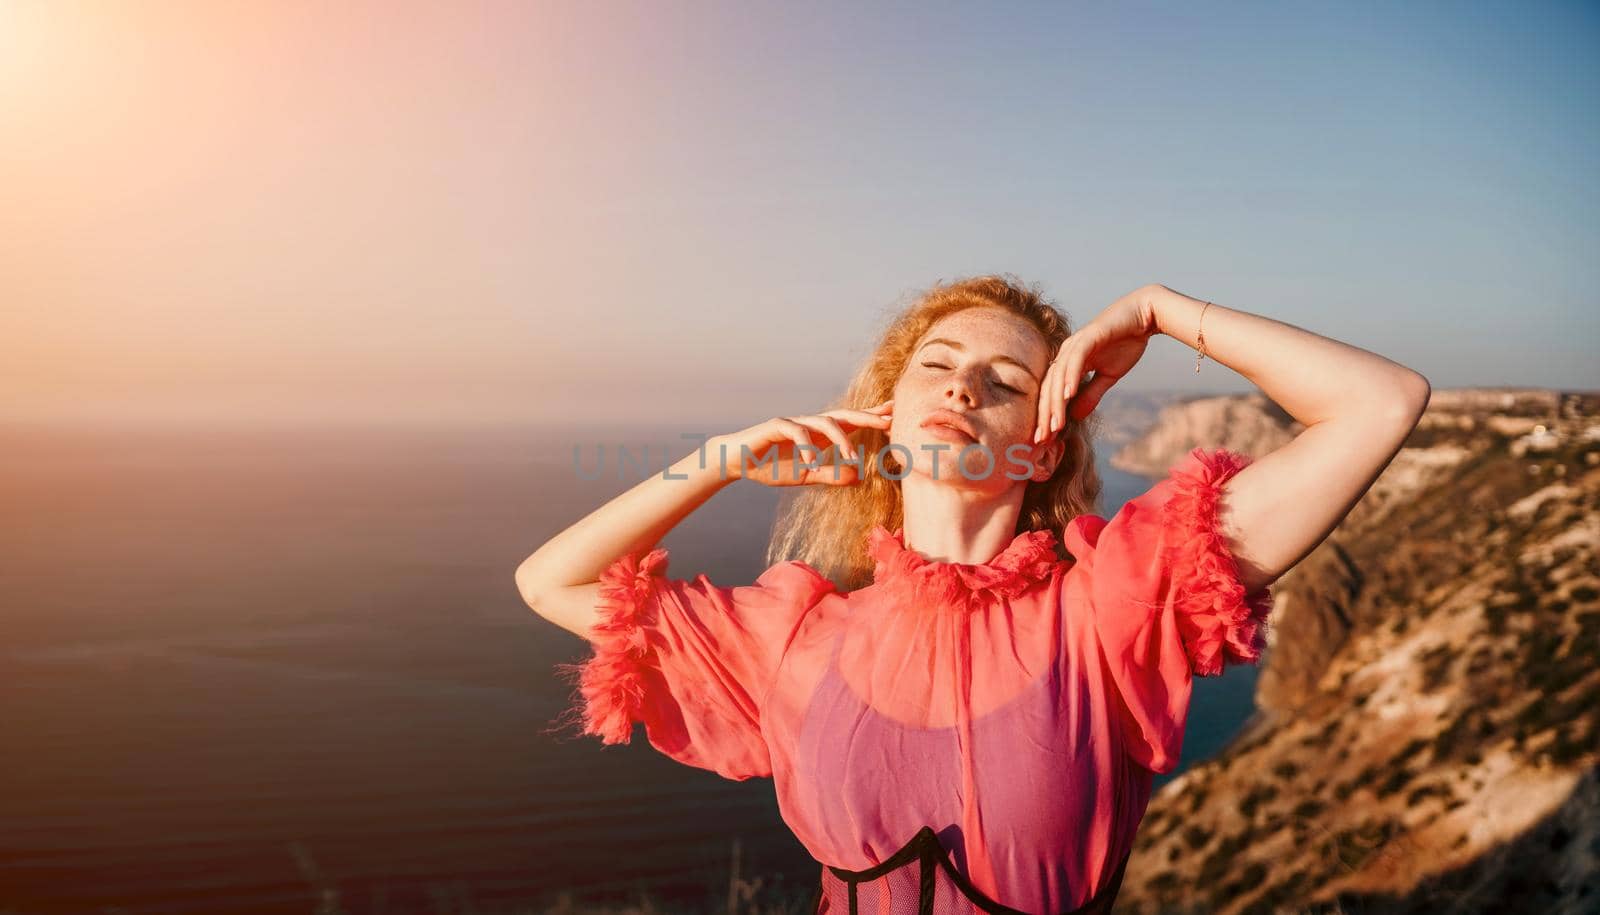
column 961, row 524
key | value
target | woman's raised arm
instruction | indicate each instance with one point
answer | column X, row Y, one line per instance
column 560, row 580
column 1357, row 408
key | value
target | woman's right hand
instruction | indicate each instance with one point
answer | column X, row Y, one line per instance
column 827, row 433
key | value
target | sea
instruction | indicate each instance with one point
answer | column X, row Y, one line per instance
column 285, row 669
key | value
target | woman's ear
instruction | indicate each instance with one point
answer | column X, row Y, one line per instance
column 1047, row 456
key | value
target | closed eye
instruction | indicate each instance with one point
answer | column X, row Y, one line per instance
column 999, row 384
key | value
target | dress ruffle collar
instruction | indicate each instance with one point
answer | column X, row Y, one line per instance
column 1030, row 558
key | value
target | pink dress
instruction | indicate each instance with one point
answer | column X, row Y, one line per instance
column 952, row 737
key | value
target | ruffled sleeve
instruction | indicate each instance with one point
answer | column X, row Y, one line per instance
column 1167, row 600
column 689, row 659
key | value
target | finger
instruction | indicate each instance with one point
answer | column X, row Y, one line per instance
column 1089, row 397
column 1049, row 389
column 1058, row 382
column 1072, row 399
column 835, row 431
column 830, row 428
column 1071, row 372
column 859, row 417
column 876, row 417
column 796, row 433
column 876, row 408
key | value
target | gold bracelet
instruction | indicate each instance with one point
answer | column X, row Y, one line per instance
column 1202, row 333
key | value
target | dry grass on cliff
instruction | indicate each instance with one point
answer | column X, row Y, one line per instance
column 1436, row 744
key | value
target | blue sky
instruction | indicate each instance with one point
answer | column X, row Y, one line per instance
column 619, row 211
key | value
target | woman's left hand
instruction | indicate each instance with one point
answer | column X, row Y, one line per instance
column 1109, row 346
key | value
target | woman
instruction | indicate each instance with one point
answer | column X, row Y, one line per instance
column 957, row 717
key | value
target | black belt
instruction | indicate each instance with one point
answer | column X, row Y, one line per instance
column 925, row 849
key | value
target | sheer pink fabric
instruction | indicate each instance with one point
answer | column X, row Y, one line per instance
column 1018, row 707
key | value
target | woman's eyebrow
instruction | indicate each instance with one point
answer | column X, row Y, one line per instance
column 1000, row 358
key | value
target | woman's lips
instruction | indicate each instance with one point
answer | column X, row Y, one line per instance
column 949, row 433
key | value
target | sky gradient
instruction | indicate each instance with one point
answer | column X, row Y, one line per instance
column 619, row 212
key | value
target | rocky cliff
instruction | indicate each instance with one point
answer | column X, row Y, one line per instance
column 1248, row 423
column 1429, row 703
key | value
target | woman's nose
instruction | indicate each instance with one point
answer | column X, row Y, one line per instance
column 961, row 386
